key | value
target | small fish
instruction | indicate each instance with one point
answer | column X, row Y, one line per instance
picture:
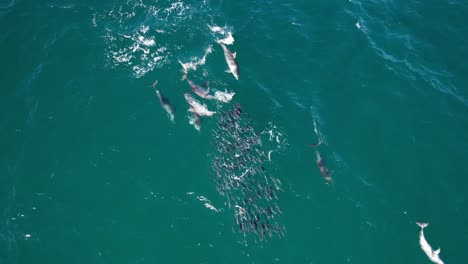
column 231, row 61
column 166, row 105
column 433, row 255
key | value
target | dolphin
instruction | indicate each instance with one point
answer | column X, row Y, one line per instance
column 200, row 91
column 433, row 255
column 231, row 61
column 166, row 105
column 323, row 168
column 195, row 120
column 196, row 107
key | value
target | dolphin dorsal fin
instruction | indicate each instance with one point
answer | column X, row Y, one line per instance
column 234, row 54
column 437, row 252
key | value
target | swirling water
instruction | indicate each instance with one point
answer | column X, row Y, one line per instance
column 92, row 170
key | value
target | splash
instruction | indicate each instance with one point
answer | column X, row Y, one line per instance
column 194, row 62
column 223, row 34
column 136, row 34
column 274, row 140
column 207, row 203
column 224, row 97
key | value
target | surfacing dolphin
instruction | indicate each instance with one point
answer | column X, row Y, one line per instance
column 196, row 107
column 166, row 105
column 231, row 61
column 433, row 255
column 200, row 91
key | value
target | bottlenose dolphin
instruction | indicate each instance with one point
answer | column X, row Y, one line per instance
column 196, row 107
column 200, row 91
column 231, row 61
column 433, row 255
column 166, row 105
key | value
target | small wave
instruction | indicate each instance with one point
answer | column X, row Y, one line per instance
column 317, row 121
column 270, row 95
column 7, row 5
column 62, row 6
column 178, row 7
column 409, row 63
column 295, row 98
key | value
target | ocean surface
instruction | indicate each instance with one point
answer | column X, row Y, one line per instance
column 92, row 170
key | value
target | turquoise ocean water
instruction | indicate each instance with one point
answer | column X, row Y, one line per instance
column 93, row 171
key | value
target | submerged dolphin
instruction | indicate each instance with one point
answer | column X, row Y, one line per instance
column 166, row 105
column 196, row 107
column 195, row 120
column 323, row 168
column 154, row 84
column 231, row 61
column 433, row 255
column 200, row 91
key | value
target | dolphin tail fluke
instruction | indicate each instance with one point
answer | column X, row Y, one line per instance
column 422, row 225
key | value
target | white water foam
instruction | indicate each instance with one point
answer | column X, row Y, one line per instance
column 140, row 46
column 222, row 34
column 207, row 203
column 224, row 97
column 195, row 61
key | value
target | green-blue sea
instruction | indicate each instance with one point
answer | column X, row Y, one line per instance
column 92, row 170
